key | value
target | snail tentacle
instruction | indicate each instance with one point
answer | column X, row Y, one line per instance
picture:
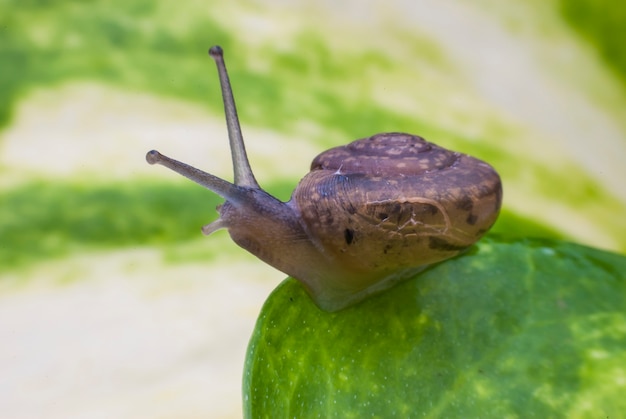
column 214, row 226
column 213, row 183
column 241, row 166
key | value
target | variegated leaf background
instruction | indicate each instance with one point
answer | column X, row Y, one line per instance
column 112, row 304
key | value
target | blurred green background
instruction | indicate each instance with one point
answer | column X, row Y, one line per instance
column 296, row 76
column 538, row 89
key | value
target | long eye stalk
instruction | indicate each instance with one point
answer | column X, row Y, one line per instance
column 241, row 165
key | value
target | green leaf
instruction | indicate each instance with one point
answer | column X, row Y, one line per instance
column 525, row 328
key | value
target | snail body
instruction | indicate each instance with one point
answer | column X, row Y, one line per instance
column 367, row 215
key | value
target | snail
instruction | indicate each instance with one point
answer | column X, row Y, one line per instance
column 367, row 215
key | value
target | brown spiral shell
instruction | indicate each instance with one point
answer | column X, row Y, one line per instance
column 394, row 201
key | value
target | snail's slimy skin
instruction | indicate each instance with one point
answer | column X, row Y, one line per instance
column 367, row 215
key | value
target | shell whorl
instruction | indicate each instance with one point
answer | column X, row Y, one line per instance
column 386, row 153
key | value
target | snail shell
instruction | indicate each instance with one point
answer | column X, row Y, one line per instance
column 366, row 216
